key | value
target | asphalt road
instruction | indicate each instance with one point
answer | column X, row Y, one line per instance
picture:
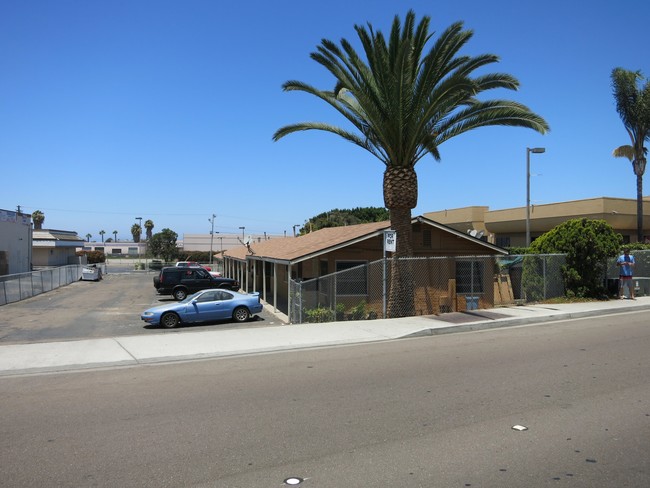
column 88, row 309
column 434, row 411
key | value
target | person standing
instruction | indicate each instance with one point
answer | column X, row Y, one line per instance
column 625, row 262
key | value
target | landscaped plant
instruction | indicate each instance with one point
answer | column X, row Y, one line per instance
column 358, row 312
column 93, row 256
column 319, row 315
column 340, row 311
column 587, row 244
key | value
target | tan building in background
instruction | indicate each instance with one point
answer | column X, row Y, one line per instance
column 507, row 227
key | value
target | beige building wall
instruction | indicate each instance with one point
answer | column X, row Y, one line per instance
column 507, row 227
column 462, row 219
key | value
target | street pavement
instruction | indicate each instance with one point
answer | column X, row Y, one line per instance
column 76, row 355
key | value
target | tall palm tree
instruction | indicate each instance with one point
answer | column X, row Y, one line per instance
column 633, row 106
column 88, row 236
column 409, row 97
column 38, row 217
column 148, row 225
column 101, row 233
column 115, row 235
column 136, row 232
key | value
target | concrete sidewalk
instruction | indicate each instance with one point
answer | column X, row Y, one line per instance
column 186, row 345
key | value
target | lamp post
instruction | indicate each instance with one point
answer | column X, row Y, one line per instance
column 211, row 236
column 242, row 233
column 536, row 150
column 139, row 219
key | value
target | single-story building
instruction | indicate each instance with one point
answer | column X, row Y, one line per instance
column 507, row 227
column 55, row 247
column 269, row 266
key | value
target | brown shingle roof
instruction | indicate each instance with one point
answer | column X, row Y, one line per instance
column 292, row 249
column 296, row 249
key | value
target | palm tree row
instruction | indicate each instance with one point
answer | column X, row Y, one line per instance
column 410, row 94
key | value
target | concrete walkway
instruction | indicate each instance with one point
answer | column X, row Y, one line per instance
column 186, row 345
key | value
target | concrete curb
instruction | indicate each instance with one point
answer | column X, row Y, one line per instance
column 128, row 351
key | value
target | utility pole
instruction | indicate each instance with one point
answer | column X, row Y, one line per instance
column 211, row 236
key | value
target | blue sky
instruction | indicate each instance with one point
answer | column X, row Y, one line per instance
column 105, row 104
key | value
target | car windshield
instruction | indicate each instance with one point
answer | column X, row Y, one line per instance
column 189, row 298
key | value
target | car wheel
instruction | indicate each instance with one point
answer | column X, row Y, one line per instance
column 180, row 294
column 170, row 320
column 241, row 314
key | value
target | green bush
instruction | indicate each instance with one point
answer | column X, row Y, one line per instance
column 93, row 256
column 587, row 244
column 319, row 315
column 358, row 312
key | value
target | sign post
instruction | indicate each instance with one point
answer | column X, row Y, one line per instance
column 390, row 245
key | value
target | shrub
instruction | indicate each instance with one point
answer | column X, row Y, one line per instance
column 587, row 244
column 319, row 315
column 358, row 312
column 93, row 256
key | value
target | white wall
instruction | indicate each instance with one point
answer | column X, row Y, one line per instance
column 15, row 242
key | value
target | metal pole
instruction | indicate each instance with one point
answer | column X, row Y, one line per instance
column 384, row 280
column 536, row 150
column 211, row 236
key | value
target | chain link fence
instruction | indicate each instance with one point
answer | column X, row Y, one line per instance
column 425, row 286
column 16, row 287
column 641, row 272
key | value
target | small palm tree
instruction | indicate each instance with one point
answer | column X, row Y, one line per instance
column 115, row 235
column 38, row 217
column 136, row 232
column 101, row 233
column 88, row 236
column 405, row 101
column 148, row 225
column 633, row 106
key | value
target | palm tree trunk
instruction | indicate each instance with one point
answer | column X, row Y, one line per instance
column 639, row 207
column 400, row 196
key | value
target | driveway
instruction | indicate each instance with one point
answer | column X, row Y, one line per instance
column 87, row 309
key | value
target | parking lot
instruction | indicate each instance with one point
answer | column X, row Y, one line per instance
column 88, row 309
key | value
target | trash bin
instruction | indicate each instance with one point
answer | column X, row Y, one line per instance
column 472, row 303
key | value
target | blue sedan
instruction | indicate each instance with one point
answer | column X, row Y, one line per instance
column 205, row 306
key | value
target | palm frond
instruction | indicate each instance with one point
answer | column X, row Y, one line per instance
column 626, row 151
column 410, row 92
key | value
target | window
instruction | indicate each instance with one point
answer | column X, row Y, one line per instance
column 208, row 296
column 200, row 273
column 469, row 276
column 426, row 238
column 351, row 278
column 116, row 250
column 223, row 295
column 133, row 250
column 503, row 241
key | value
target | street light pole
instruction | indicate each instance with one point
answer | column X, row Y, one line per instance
column 535, row 150
column 211, row 236
column 242, row 233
